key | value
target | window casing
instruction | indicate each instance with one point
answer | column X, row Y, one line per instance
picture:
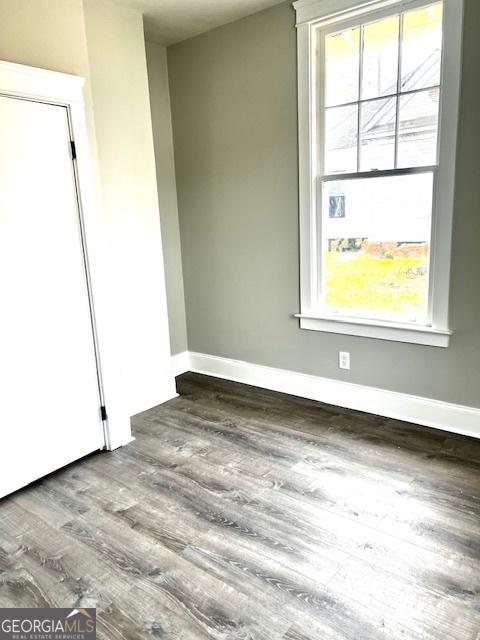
column 394, row 133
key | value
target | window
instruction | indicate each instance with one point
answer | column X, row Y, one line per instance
column 378, row 104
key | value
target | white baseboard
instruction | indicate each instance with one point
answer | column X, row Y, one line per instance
column 401, row 406
column 180, row 363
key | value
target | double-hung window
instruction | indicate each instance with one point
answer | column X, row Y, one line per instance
column 378, row 110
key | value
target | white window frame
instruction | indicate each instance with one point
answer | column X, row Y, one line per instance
column 315, row 14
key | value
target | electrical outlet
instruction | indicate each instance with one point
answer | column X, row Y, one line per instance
column 344, row 359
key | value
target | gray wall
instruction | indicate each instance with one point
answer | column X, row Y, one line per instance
column 167, row 193
column 233, row 94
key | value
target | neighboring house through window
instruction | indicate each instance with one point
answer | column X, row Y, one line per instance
column 336, row 206
column 378, row 107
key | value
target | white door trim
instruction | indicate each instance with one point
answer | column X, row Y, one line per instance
column 31, row 83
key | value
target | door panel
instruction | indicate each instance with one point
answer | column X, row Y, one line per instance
column 49, row 398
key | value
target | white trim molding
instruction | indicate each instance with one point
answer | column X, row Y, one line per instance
column 315, row 19
column 396, row 332
column 42, row 85
column 445, row 416
column 324, row 12
column 180, row 363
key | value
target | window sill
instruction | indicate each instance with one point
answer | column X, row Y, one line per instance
column 375, row 329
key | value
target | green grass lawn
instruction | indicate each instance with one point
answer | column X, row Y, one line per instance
column 361, row 281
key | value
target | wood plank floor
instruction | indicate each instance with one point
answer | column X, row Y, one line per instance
column 243, row 514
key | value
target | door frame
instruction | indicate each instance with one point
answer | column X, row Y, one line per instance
column 65, row 90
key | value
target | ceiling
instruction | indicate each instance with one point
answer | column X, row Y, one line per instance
column 170, row 21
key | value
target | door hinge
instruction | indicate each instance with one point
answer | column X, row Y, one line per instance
column 103, row 412
column 73, row 149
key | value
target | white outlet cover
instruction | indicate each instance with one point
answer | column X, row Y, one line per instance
column 344, row 360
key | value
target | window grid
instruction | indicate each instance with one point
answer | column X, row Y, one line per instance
column 324, row 176
column 360, row 83
column 360, row 102
column 399, row 87
column 382, row 97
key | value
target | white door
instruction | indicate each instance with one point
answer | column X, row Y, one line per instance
column 49, row 398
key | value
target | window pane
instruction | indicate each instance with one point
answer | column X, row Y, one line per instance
column 376, row 247
column 342, row 67
column 377, row 134
column 341, row 126
column 422, row 47
column 417, row 128
column 380, row 58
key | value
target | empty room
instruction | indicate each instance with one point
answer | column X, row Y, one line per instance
column 239, row 327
